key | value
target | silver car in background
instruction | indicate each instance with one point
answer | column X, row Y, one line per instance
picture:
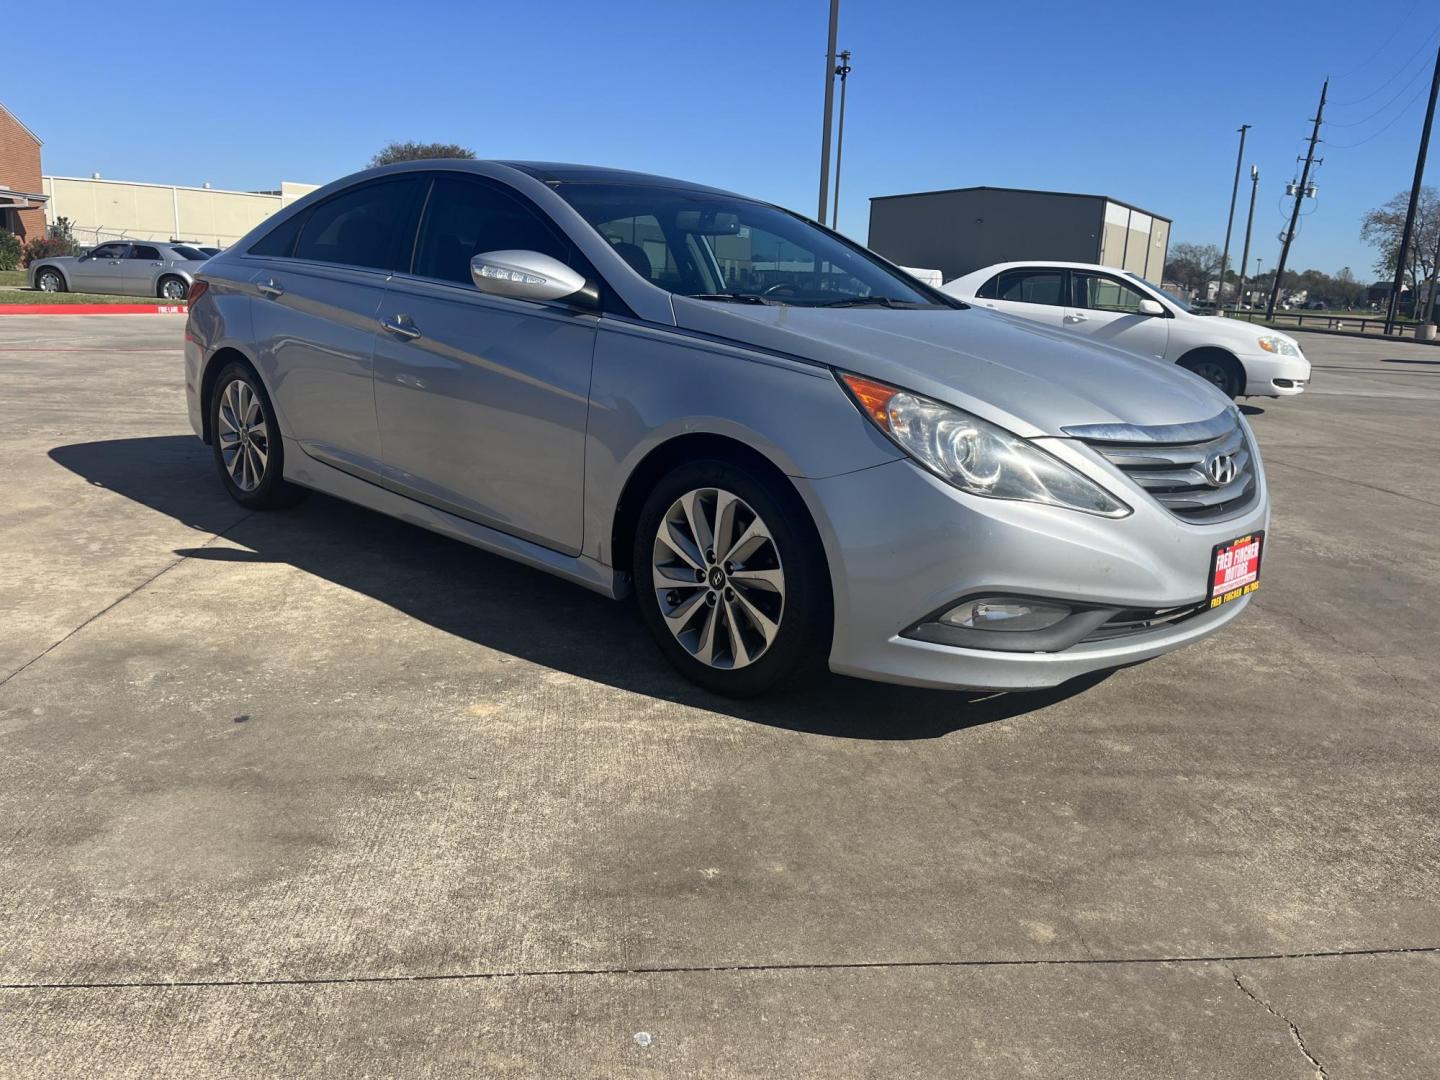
column 789, row 451
column 124, row 267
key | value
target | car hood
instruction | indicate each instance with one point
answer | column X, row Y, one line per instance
column 1030, row 379
column 1237, row 333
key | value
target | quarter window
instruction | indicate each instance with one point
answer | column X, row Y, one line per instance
column 465, row 217
column 1100, row 292
column 370, row 226
column 279, row 242
column 1030, row 286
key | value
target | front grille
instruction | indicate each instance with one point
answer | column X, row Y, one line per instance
column 1139, row 620
column 1169, row 462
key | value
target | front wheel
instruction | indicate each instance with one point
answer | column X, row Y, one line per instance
column 246, row 441
column 729, row 580
column 50, row 280
column 1219, row 370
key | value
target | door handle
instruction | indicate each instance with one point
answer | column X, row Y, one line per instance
column 400, row 326
column 270, row 288
column 1075, row 318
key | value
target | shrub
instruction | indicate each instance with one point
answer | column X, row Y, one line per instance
column 58, row 240
column 10, row 250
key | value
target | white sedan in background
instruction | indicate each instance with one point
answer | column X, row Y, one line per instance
column 1124, row 310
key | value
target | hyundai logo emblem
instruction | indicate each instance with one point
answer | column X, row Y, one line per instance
column 1221, row 469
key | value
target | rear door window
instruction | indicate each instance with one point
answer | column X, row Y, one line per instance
column 371, row 225
column 143, row 251
column 1031, row 286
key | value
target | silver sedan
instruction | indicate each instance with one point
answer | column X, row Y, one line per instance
column 130, row 268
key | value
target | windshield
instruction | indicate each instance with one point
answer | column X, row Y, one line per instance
column 724, row 248
column 1183, row 305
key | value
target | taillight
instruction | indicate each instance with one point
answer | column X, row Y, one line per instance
column 198, row 289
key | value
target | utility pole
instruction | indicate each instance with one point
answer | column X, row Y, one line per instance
column 1230, row 222
column 829, row 109
column 1414, row 201
column 1289, row 236
column 1249, row 222
column 842, row 70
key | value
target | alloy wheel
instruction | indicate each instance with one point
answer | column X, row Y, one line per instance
column 174, row 290
column 49, row 281
column 718, row 578
column 1213, row 373
column 244, row 435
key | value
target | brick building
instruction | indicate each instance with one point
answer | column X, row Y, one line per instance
column 22, row 201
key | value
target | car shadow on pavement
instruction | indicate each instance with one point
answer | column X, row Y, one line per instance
column 1389, row 360
column 1252, row 410
column 502, row 605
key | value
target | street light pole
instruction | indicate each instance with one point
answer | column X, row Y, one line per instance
column 1230, row 222
column 829, row 109
column 1249, row 223
column 843, row 70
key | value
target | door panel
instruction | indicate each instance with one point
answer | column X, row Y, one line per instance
column 315, row 331
column 100, row 273
column 137, row 272
column 1105, row 308
column 483, row 411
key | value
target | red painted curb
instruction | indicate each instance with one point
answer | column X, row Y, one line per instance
column 93, row 309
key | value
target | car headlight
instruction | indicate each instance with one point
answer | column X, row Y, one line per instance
column 1279, row 346
column 976, row 456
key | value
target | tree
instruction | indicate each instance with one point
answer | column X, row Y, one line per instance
column 59, row 239
column 1381, row 228
column 413, row 151
column 1193, row 266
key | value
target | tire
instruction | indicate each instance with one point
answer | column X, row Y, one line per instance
column 48, row 279
column 169, row 282
column 780, row 578
column 251, row 465
column 1219, row 369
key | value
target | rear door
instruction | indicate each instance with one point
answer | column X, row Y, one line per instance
column 1106, row 308
column 317, row 298
column 1036, row 293
column 138, row 270
column 482, row 400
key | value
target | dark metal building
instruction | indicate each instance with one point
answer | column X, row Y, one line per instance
column 963, row 229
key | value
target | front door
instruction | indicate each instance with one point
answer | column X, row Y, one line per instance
column 482, row 400
column 99, row 271
column 1103, row 307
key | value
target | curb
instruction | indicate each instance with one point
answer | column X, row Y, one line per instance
column 93, row 309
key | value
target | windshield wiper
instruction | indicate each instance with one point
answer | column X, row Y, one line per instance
column 731, row 297
column 871, row 301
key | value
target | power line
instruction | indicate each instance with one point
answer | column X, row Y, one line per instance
column 1389, row 124
column 1419, row 73
column 1400, row 24
column 1399, row 68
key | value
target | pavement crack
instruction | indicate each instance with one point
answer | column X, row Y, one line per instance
column 1295, row 1035
column 1395, row 680
column 121, row 599
column 712, row 969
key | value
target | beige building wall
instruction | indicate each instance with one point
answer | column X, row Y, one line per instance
column 103, row 210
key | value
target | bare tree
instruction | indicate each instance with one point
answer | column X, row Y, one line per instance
column 413, row 151
column 1193, row 265
column 1381, row 228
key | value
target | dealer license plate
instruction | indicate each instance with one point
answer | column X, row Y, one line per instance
column 1235, row 568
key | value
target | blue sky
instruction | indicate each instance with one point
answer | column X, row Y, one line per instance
column 1135, row 100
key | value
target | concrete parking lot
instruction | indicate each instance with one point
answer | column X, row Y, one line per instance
column 315, row 793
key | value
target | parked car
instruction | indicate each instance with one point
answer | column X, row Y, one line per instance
column 139, row 268
column 788, row 450
column 1124, row 310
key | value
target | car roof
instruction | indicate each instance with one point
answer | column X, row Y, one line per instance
column 1060, row 263
column 554, row 172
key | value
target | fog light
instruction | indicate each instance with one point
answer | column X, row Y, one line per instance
column 1005, row 613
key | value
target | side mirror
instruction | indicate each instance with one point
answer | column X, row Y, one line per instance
column 1151, row 307
column 525, row 275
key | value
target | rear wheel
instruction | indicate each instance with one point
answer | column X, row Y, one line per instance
column 173, row 288
column 1218, row 368
column 730, row 582
column 50, row 280
column 249, row 451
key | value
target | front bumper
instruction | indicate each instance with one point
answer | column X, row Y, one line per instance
column 902, row 544
column 1269, row 375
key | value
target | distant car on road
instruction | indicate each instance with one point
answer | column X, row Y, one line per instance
column 1123, row 309
column 124, row 267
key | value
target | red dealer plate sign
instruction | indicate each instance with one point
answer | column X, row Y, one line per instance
column 1235, row 568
